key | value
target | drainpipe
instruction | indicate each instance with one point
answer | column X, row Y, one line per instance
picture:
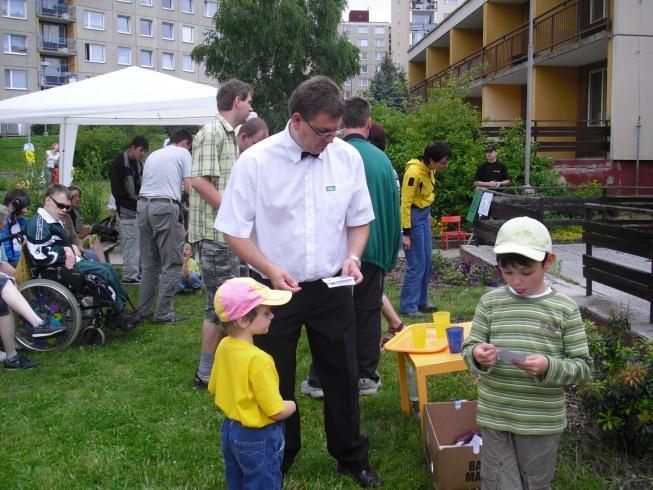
column 639, row 128
column 529, row 99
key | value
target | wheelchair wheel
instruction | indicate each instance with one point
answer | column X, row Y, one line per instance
column 49, row 299
column 93, row 336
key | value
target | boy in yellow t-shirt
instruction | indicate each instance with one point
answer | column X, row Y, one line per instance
column 191, row 277
column 245, row 383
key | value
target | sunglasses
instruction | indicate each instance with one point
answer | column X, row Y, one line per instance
column 60, row 205
column 325, row 134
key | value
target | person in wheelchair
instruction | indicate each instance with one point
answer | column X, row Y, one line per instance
column 50, row 246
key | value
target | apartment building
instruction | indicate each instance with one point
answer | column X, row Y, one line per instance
column 593, row 66
column 411, row 20
column 373, row 41
column 47, row 43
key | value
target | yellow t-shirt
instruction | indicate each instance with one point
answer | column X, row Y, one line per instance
column 193, row 266
column 245, row 383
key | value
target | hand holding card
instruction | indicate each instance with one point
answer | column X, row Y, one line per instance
column 507, row 355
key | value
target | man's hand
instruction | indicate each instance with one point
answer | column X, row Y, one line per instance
column 281, row 279
column 536, row 365
column 405, row 240
column 78, row 252
column 350, row 268
column 485, row 354
column 71, row 258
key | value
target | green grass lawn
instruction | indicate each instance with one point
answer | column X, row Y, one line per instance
column 11, row 149
column 125, row 416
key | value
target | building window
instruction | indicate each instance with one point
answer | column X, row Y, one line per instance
column 363, row 55
column 16, row 79
column 124, row 56
column 379, row 43
column 345, row 29
column 187, row 6
column 363, row 68
column 167, row 61
column 167, row 30
column 16, row 9
column 347, row 94
column 379, row 30
column 147, row 3
column 210, row 8
column 378, row 68
column 187, row 34
column 380, row 55
column 167, row 4
column 146, row 27
column 597, row 90
column 122, row 24
column 95, row 53
column 94, row 20
column 187, row 63
column 598, row 10
column 347, row 83
column 363, row 43
column 362, row 29
column 363, row 82
column 15, row 44
column 146, row 58
column 451, row 2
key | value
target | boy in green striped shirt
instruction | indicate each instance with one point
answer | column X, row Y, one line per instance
column 527, row 342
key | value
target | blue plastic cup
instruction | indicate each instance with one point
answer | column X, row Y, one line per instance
column 455, row 339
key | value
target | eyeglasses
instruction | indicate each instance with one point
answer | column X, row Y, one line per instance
column 60, row 205
column 325, row 134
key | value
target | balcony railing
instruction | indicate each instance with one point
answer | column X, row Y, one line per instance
column 61, row 46
column 567, row 23
column 54, row 79
column 55, row 11
column 582, row 137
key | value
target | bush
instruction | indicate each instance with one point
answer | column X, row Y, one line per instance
column 620, row 397
column 95, row 190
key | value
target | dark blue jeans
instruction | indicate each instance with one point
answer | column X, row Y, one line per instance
column 252, row 457
column 415, row 289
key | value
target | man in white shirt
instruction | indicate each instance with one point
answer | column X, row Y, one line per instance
column 160, row 225
column 297, row 210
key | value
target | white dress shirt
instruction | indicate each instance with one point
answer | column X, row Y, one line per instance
column 297, row 211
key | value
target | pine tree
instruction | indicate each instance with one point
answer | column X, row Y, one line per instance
column 389, row 85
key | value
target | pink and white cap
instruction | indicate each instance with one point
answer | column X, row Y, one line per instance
column 237, row 297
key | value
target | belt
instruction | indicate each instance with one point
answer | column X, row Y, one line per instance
column 158, row 199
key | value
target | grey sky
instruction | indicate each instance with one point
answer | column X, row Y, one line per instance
column 379, row 9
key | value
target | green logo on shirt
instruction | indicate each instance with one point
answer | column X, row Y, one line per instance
column 330, row 188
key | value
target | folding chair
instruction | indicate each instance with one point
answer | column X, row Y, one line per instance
column 452, row 234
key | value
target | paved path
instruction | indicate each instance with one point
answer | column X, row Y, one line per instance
column 605, row 301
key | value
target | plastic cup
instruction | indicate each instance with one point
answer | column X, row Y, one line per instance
column 441, row 320
column 419, row 335
column 455, row 339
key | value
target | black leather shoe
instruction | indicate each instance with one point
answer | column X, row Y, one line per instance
column 427, row 308
column 367, row 478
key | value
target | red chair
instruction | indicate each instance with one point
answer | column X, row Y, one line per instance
column 452, row 234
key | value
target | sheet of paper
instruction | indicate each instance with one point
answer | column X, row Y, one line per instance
column 335, row 282
column 484, row 206
column 508, row 356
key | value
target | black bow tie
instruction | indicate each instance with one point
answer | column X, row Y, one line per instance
column 309, row 154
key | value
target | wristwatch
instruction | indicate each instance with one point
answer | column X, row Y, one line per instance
column 355, row 259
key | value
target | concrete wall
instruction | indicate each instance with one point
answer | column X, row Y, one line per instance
column 542, row 6
column 437, row 59
column 631, row 63
column 416, row 72
column 501, row 102
column 464, row 42
column 499, row 19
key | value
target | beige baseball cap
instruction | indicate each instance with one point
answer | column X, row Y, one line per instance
column 524, row 236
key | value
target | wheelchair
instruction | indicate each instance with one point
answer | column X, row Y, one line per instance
column 81, row 302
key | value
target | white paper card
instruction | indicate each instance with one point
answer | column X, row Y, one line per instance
column 508, row 356
column 335, row 282
column 484, row 206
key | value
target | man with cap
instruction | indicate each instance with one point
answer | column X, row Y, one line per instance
column 492, row 173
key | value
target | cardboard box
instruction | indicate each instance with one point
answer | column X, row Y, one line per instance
column 452, row 468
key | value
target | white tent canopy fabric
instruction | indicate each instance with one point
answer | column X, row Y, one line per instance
column 125, row 97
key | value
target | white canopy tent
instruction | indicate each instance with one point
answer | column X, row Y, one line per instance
column 125, row 97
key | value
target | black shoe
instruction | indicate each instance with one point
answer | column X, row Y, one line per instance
column 134, row 282
column 48, row 328
column 427, row 308
column 171, row 318
column 410, row 314
column 199, row 383
column 367, row 478
column 19, row 362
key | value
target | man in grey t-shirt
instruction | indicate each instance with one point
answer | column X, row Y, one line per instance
column 161, row 225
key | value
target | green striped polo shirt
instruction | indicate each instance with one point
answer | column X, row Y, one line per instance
column 550, row 325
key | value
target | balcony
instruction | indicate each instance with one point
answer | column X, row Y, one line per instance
column 54, row 79
column 422, row 27
column 58, row 12
column 422, row 5
column 568, row 23
column 62, row 46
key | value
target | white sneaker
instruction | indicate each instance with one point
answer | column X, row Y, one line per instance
column 3, row 356
column 367, row 386
column 312, row 391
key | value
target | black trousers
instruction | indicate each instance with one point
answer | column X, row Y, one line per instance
column 328, row 315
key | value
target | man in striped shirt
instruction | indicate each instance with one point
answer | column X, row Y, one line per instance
column 527, row 342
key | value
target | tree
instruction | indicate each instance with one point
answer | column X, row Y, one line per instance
column 275, row 45
column 389, row 85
